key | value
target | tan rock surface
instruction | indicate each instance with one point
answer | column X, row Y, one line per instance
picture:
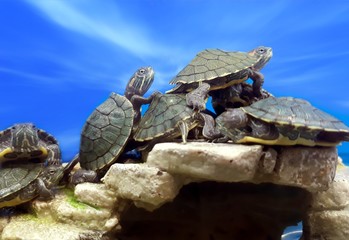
column 209, row 161
column 337, row 196
column 27, row 227
column 312, row 168
column 142, row 183
column 329, row 225
column 95, row 194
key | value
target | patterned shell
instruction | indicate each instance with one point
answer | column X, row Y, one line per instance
column 106, row 132
column 213, row 63
column 17, row 177
column 295, row 112
column 163, row 116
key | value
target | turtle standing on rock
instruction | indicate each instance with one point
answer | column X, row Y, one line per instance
column 282, row 121
column 108, row 129
column 220, row 69
column 25, row 142
column 20, row 183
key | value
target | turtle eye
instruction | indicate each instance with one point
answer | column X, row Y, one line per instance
column 261, row 50
column 142, row 71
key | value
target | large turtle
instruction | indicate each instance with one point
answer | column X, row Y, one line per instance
column 25, row 142
column 20, row 183
column 168, row 116
column 221, row 69
column 109, row 127
column 282, row 121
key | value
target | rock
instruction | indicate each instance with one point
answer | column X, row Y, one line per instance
column 329, row 225
column 65, row 208
column 337, row 196
column 95, row 194
column 147, row 186
column 28, row 227
column 208, row 161
column 328, row 217
column 312, row 168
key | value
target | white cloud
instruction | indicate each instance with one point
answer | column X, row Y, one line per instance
column 119, row 31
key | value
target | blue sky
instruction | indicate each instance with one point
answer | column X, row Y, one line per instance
column 59, row 59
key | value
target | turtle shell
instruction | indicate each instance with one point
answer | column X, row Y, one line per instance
column 295, row 112
column 106, row 133
column 211, row 64
column 163, row 116
column 16, row 178
column 25, row 142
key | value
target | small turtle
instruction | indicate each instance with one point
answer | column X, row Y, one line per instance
column 20, row 183
column 109, row 127
column 25, row 142
column 238, row 95
column 221, row 69
column 168, row 116
column 282, row 121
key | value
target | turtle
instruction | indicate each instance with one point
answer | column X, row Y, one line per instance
column 282, row 121
column 20, row 183
column 108, row 129
column 168, row 117
column 238, row 95
column 221, row 69
column 25, row 142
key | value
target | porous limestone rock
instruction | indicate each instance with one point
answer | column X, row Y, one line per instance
column 143, row 184
column 337, row 196
column 28, row 227
column 95, row 194
column 328, row 225
column 311, row 168
column 208, row 161
column 65, row 208
column 328, row 217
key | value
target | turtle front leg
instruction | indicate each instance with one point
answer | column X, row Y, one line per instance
column 258, row 80
column 44, row 193
column 197, row 98
column 137, row 102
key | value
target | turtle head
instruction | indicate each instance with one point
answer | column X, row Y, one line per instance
column 263, row 54
column 52, row 175
column 140, row 82
column 24, row 137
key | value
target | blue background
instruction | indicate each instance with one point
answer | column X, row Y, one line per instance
column 60, row 59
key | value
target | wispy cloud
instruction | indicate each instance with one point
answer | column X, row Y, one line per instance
column 119, row 31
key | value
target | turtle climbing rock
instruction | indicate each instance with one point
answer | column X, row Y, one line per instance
column 25, row 142
column 282, row 121
column 168, row 117
column 108, row 129
column 20, row 183
column 221, row 69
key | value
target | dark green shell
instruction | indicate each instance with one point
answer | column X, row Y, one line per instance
column 163, row 116
column 295, row 112
column 106, row 133
column 213, row 63
column 17, row 177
